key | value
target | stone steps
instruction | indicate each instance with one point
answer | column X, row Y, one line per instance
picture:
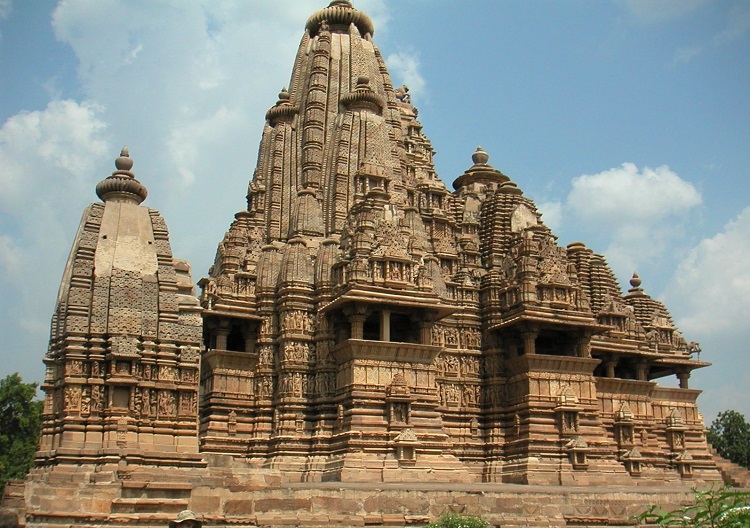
column 733, row 474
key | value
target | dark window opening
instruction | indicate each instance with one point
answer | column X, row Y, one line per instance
column 235, row 340
column 371, row 330
column 403, row 330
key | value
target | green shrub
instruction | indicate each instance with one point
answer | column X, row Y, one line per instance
column 458, row 520
column 714, row 508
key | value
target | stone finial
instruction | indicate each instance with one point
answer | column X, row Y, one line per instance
column 123, row 162
column 483, row 174
column 363, row 97
column 480, row 157
column 122, row 184
column 283, row 110
column 635, row 285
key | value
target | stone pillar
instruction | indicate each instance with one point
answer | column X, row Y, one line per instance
column 610, row 366
column 584, row 345
column 425, row 332
column 385, row 325
column 641, row 371
column 221, row 336
column 529, row 341
column 683, row 377
column 357, row 323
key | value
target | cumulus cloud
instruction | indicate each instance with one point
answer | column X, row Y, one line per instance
column 53, row 150
column 47, row 159
column 634, row 216
column 709, row 296
column 404, row 69
column 5, row 8
column 653, row 11
column 714, row 279
column 552, row 212
column 738, row 24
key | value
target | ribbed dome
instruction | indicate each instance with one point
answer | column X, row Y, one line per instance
column 340, row 13
column 122, row 184
column 481, row 172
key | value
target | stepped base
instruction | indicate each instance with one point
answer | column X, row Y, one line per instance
column 244, row 496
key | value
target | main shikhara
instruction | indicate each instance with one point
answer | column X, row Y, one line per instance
column 362, row 322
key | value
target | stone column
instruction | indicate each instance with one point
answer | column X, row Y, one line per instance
column 385, row 325
column 221, row 335
column 683, row 377
column 357, row 323
column 529, row 341
column 610, row 366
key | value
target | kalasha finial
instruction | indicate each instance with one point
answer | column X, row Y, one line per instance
column 480, row 157
column 122, row 185
column 124, row 163
column 284, row 94
column 635, row 281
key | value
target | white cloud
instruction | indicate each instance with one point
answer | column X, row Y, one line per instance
column 685, row 54
column 625, row 194
column 709, row 296
column 738, row 24
column 48, row 154
column 48, row 158
column 634, row 216
column 712, row 285
column 404, row 69
column 654, row 11
column 551, row 214
column 6, row 6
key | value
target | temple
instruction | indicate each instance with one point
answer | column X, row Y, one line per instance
column 361, row 323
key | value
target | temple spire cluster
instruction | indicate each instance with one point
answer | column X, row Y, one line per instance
column 361, row 322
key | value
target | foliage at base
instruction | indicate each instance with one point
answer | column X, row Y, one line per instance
column 730, row 435
column 20, row 420
column 458, row 520
column 714, row 508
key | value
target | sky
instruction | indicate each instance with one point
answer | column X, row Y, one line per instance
column 626, row 121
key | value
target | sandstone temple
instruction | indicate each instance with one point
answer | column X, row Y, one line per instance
column 369, row 347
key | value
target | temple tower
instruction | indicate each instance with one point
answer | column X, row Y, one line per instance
column 123, row 359
column 363, row 322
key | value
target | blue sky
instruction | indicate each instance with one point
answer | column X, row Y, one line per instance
column 627, row 121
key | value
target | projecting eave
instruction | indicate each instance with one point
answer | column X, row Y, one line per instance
column 550, row 318
column 409, row 299
column 221, row 312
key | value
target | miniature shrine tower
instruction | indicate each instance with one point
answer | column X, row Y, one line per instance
column 123, row 361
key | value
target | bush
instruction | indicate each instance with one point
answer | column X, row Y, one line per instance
column 714, row 508
column 458, row 520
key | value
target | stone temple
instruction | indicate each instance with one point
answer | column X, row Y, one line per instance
column 368, row 348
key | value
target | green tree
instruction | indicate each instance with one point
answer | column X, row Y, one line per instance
column 730, row 435
column 20, row 421
column 713, row 508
